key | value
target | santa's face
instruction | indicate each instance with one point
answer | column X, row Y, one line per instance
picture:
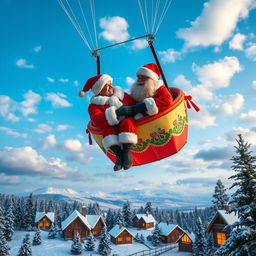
column 107, row 90
column 143, row 88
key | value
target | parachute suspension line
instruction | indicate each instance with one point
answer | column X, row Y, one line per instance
column 142, row 15
column 92, row 6
column 166, row 7
column 146, row 12
column 156, row 12
column 86, row 23
column 77, row 27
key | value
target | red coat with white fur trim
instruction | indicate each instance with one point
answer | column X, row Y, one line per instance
column 161, row 100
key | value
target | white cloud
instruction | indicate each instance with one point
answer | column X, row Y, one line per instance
column 248, row 135
column 28, row 106
column 72, row 145
column 129, row 80
column 218, row 74
column 7, row 108
column 38, row 48
column 51, row 80
column 254, row 84
column 11, row 132
column 249, row 117
column 48, row 142
column 76, row 83
column 57, row 100
column 26, row 161
column 115, row 29
column 5, row 179
column 22, row 63
column 216, row 22
column 237, row 42
column 169, row 55
column 139, row 44
column 200, row 92
column 43, row 128
column 202, row 119
column 62, row 127
column 251, row 51
column 231, row 106
column 181, row 82
column 63, row 80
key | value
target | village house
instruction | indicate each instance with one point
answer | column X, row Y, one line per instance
column 120, row 235
column 170, row 233
column 44, row 220
column 143, row 221
column 186, row 242
column 82, row 224
column 217, row 226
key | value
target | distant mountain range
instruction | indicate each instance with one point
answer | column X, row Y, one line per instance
column 137, row 198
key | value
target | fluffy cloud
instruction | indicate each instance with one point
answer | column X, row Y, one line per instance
column 51, row 80
column 181, row 82
column 7, row 108
column 216, row 22
column 28, row 106
column 5, row 179
column 202, row 120
column 249, row 135
column 38, row 48
column 215, row 153
column 22, row 63
column 232, row 104
column 129, row 80
column 249, row 117
column 62, row 127
column 237, row 42
column 254, row 84
column 115, row 29
column 26, row 161
column 58, row 100
column 63, row 80
column 169, row 55
column 251, row 51
column 72, row 145
column 11, row 132
column 139, row 44
column 43, row 128
column 48, row 142
column 218, row 74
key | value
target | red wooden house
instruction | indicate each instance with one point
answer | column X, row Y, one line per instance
column 170, row 233
column 97, row 223
column 217, row 226
column 44, row 220
column 143, row 221
column 186, row 242
column 120, row 235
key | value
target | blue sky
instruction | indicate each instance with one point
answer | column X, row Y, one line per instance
column 208, row 49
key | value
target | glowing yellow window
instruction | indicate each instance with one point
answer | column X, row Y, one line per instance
column 47, row 224
column 128, row 239
column 44, row 219
column 94, row 232
column 143, row 224
column 119, row 239
column 40, row 224
column 221, row 238
column 185, row 239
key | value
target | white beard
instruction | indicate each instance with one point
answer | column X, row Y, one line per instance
column 140, row 92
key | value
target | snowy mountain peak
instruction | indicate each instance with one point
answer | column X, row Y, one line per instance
column 52, row 190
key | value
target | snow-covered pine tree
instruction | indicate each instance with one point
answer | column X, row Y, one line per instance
column 242, row 240
column 148, row 208
column 4, row 248
column 127, row 214
column 41, row 206
column 109, row 219
column 76, row 247
column 37, row 238
column 89, row 246
column 142, row 239
column 137, row 238
column 156, row 237
column 9, row 222
column 50, row 206
column 25, row 249
column 52, row 232
column 199, row 246
column 119, row 219
column 18, row 214
column 209, row 244
column 104, row 244
column 29, row 212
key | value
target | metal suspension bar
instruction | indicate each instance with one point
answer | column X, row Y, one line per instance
column 98, row 64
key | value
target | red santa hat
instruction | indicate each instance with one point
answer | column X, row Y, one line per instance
column 150, row 70
column 95, row 84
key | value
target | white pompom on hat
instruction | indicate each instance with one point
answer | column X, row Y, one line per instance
column 95, row 84
column 150, row 70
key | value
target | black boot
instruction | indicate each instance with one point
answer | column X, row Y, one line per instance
column 127, row 155
column 119, row 154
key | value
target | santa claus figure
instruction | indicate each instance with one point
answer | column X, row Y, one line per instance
column 119, row 133
column 149, row 92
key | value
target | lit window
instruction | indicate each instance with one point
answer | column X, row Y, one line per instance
column 221, row 238
column 47, row 224
column 40, row 224
column 119, row 239
column 94, row 232
column 128, row 239
column 185, row 239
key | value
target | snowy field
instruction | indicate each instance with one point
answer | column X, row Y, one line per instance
column 59, row 247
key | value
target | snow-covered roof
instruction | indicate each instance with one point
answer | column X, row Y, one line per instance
column 230, row 218
column 93, row 220
column 40, row 215
column 166, row 229
column 190, row 235
column 117, row 230
column 72, row 217
column 148, row 218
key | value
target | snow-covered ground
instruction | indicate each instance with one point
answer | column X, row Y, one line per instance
column 59, row 247
column 175, row 252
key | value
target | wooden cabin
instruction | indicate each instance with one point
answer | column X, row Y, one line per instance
column 217, row 226
column 170, row 233
column 97, row 224
column 186, row 242
column 120, row 235
column 44, row 220
column 143, row 221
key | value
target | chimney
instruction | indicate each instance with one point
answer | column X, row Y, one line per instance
column 227, row 207
column 120, row 224
column 84, row 211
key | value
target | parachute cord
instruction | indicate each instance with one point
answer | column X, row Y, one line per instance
column 92, row 6
column 142, row 15
column 86, row 23
column 166, row 7
column 156, row 12
column 74, row 24
column 152, row 11
column 146, row 12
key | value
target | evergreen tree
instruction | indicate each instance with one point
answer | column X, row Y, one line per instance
column 137, row 238
column 41, row 206
column 242, row 240
column 109, row 219
column 127, row 214
column 89, row 246
column 25, row 249
column 50, row 206
column 18, row 214
column 52, row 232
column 76, row 247
column 119, row 218
column 104, row 244
column 209, row 244
column 29, row 212
column 37, row 238
column 156, row 237
column 199, row 246
column 4, row 248
column 148, row 208
column 2, row 219
column 142, row 238
column 9, row 223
